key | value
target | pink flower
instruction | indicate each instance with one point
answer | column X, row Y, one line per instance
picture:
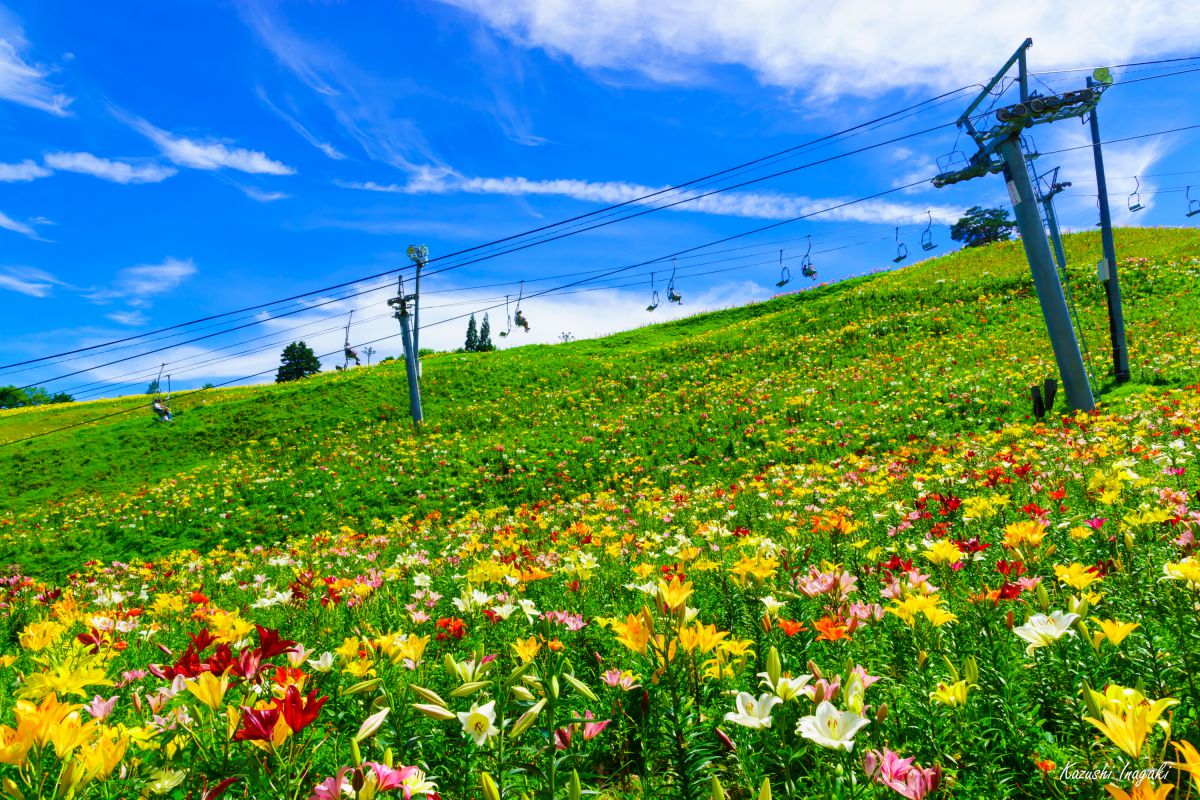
column 100, row 708
column 901, row 775
column 1096, row 522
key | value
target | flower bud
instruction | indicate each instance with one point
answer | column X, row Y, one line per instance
column 774, row 667
column 490, row 790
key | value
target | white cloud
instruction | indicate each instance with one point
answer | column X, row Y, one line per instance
column 369, row 109
column 325, row 147
column 207, row 155
column 21, row 82
column 133, row 318
column 832, row 49
column 263, row 196
column 109, row 170
column 753, row 205
column 8, row 223
column 24, row 171
column 135, row 284
column 27, row 280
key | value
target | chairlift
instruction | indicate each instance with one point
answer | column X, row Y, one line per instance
column 1193, row 205
column 519, row 318
column 785, row 274
column 160, row 407
column 927, row 235
column 1135, row 199
column 653, row 295
column 954, row 160
column 672, row 295
column 507, row 318
column 901, row 249
column 347, row 351
column 1030, row 148
column 806, row 264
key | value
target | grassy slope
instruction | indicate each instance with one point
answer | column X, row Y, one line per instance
column 700, row 399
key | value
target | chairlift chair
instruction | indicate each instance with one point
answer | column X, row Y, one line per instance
column 785, row 274
column 672, row 295
column 347, row 351
column 806, row 264
column 653, row 295
column 519, row 318
column 901, row 249
column 1135, row 199
column 927, row 235
column 1193, row 205
column 159, row 407
column 507, row 319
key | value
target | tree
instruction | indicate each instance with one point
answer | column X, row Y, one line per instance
column 983, row 226
column 153, row 387
column 485, row 336
column 298, row 361
column 12, row 397
column 472, row 343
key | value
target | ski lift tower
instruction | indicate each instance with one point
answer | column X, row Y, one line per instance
column 1000, row 152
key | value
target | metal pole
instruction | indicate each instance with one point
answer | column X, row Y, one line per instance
column 1045, row 278
column 417, row 317
column 410, row 363
column 1055, row 237
column 1112, row 286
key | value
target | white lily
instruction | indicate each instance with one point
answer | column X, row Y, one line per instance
column 831, row 728
column 480, row 722
column 753, row 713
column 1041, row 630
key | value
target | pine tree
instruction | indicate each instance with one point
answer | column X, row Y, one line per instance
column 485, row 336
column 472, row 336
column 297, row 361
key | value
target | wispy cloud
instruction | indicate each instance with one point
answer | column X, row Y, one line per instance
column 136, row 284
column 1121, row 162
column 325, row 147
column 20, row 81
column 208, row 154
column 502, row 70
column 753, row 205
column 132, row 318
column 827, row 50
column 263, row 196
column 27, row 281
column 369, row 109
column 10, row 224
column 108, row 169
column 23, row 171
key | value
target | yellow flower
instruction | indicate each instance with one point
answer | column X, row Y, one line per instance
column 40, row 635
column 64, row 678
column 1186, row 570
column 943, row 552
column 1191, row 760
column 527, row 650
column 1115, row 631
column 700, row 637
column 16, row 742
column 953, row 695
column 1142, row 790
column 348, row 648
column 1029, row 532
column 1081, row 533
column 1127, row 732
column 634, row 632
column 209, row 689
column 674, row 593
column 643, row 571
column 1077, row 576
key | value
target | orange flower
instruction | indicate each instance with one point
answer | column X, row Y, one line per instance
column 791, row 627
column 831, row 629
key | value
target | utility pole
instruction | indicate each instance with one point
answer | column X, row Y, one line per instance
column 1000, row 151
column 1112, row 287
column 419, row 254
column 400, row 303
column 370, row 351
column 1045, row 277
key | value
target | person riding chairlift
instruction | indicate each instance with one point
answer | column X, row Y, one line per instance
column 161, row 410
column 519, row 319
column 351, row 354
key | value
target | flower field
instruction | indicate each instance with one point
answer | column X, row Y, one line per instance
column 814, row 548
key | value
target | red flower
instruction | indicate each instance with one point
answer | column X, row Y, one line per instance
column 270, row 645
column 257, row 724
column 300, row 711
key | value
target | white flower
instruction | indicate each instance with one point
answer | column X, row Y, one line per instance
column 323, row 663
column 505, row 611
column 773, row 606
column 786, row 688
column 529, row 610
column 753, row 713
column 831, row 728
column 1041, row 630
column 422, row 581
column 480, row 722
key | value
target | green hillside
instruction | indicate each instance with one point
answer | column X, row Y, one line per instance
column 705, row 398
column 810, row 548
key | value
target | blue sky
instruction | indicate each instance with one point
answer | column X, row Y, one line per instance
column 176, row 160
